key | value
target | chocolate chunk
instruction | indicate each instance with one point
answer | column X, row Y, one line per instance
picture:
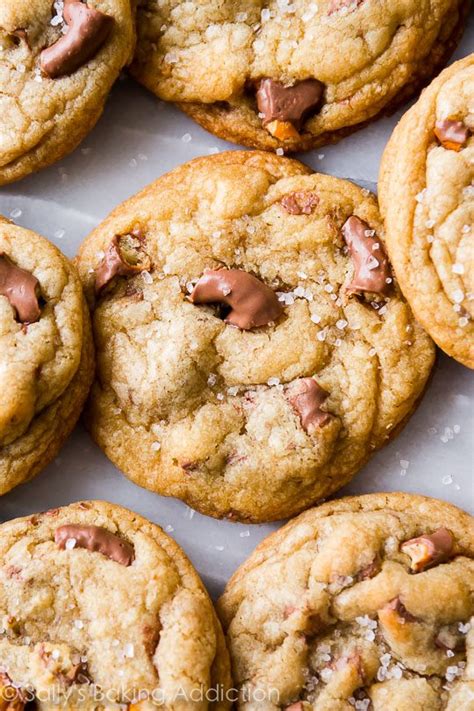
column 21, row 289
column 125, row 256
column 397, row 606
column 428, row 550
column 371, row 266
column 252, row 302
column 98, row 540
column 301, row 202
column 278, row 102
column 22, row 35
column 306, row 398
column 370, row 571
column 88, row 30
column 451, row 134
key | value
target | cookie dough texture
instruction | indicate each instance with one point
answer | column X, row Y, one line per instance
column 189, row 406
column 369, row 55
column 75, row 623
column 44, row 119
column 327, row 613
column 427, row 197
column 46, row 367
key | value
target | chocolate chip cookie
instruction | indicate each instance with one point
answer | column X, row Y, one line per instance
column 427, row 197
column 46, row 353
column 253, row 346
column 100, row 609
column 364, row 603
column 58, row 61
column 292, row 75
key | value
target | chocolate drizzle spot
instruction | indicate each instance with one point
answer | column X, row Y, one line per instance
column 371, row 266
column 21, row 289
column 88, row 30
column 302, row 202
column 252, row 302
column 295, row 104
column 306, row 397
column 98, row 540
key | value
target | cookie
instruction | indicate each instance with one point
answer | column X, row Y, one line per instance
column 100, row 609
column 362, row 603
column 427, row 198
column 292, row 75
column 253, row 347
column 46, row 353
column 58, row 62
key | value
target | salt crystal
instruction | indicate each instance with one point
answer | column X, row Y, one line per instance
column 70, row 544
column 280, row 152
column 273, row 381
column 129, row 651
column 186, row 138
column 315, row 318
column 78, row 624
column 341, row 324
column 156, row 446
column 458, row 268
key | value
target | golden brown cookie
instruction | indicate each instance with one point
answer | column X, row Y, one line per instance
column 427, row 197
column 58, row 61
column 100, row 609
column 292, row 75
column 362, row 603
column 46, row 353
column 253, row 347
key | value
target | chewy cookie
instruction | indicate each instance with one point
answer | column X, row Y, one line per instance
column 363, row 603
column 100, row 609
column 292, row 75
column 253, row 347
column 427, row 197
column 58, row 61
column 46, row 353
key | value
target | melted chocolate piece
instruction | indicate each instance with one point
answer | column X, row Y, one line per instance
column 301, row 202
column 252, row 302
column 371, row 266
column 21, row 289
column 98, row 540
column 306, row 398
column 399, row 608
column 451, row 134
column 88, row 30
column 124, row 257
column 429, row 549
column 288, row 103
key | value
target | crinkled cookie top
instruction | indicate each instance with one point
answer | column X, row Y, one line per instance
column 365, row 603
column 97, row 605
column 428, row 195
column 255, row 388
column 41, row 327
column 52, row 84
column 361, row 51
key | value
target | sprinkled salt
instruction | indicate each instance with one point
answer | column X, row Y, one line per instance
column 458, row 268
column 147, row 277
column 70, row 544
column 458, row 296
column 156, row 446
column 273, row 381
column 129, row 650
column 341, row 324
column 447, row 479
column 78, row 624
column 315, row 318
column 186, row 138
column 280, row 152
column 15, row 213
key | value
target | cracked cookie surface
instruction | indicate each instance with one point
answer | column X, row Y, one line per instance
column 367, row 57
column 98, row 605
column 364, row 603
column 45, row 115
column 248, row 422
column 46, row 352
column 427, row 196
